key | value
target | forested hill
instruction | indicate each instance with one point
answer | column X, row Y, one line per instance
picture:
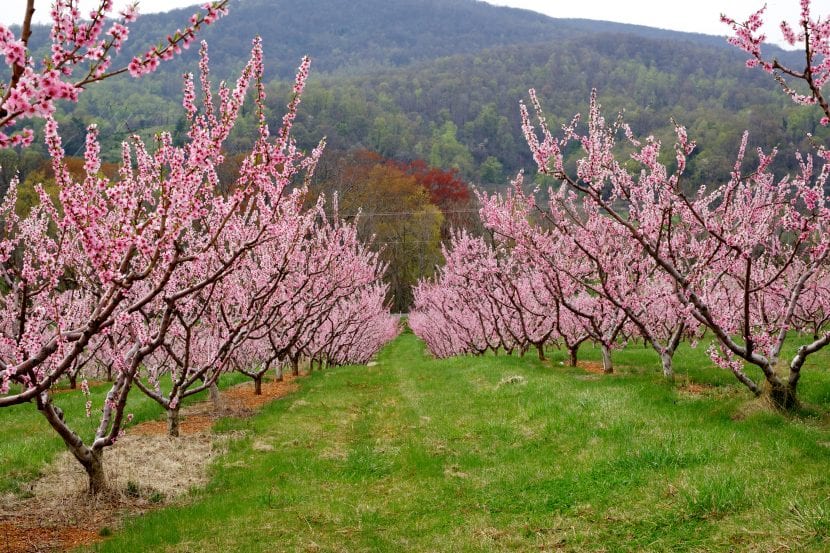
column 440, row 80
column 345, row 36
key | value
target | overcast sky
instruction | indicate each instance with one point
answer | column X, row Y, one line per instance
column 696, row 16
column 700, row 16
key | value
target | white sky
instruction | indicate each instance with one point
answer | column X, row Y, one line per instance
column 698, row 16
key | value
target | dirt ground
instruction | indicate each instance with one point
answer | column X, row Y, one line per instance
column 146, row 469
column 594, row 367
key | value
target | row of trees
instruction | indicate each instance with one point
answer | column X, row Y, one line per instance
column 160, row 276
column 622, row 243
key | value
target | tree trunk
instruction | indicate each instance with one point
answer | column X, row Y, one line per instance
column 607, row 366
column 279, row 373
column 541, row 349
column 258, row 385
column 295, row 367
column 666, row 362
column 94, row 467
column 572, row 351
column 93, row 462
column 91, row 459
column 173, row 422
column 215, row 398
column 782, row 396
column 73, row 381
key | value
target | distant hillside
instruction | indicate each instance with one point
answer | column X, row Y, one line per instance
column 441, row 80
column 346, row 36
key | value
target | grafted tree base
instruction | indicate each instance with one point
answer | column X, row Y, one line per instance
column 93, row 463
column 173, row 423
column 781, row 398
column 572, row 356
column 97, row 478
column 666, row 364
column 607, row 365
column 215, row 396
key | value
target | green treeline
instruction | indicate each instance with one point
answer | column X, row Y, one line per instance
column 441, row 81
column 462, row 111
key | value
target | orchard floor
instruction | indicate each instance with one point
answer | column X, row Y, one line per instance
column 509, row 454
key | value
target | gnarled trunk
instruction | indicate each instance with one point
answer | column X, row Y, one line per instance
column 572, row 351
column 540, row 348
column 782, row 396
column 295, row 367
column 666, row 362
column 258, row 385
column 215, row 397
column 95, row 471
column 607, row 366
column 781, row 392
column 93, row 462
column 173, row 421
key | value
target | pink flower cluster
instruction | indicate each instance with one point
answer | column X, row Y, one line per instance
column 76, row 42
column 812, row 33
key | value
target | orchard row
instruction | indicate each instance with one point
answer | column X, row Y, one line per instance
column 157, row 277
column 621, row 248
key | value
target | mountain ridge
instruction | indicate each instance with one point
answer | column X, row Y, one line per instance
column 365, row 35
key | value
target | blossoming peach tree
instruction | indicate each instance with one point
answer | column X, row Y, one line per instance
column 746, row 259
column 141, row 271
column 81, row 53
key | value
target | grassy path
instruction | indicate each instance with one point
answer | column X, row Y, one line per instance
column 421, row 455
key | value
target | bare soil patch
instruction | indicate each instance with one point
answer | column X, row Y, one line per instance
column 146, row 469
column 188, row 426
column 242, row 396
column 16, row 538
column 594, row 367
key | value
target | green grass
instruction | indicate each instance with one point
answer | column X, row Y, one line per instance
column 416, row 454
column 28, row 443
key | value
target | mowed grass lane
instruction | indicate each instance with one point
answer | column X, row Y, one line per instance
column 416, row 454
